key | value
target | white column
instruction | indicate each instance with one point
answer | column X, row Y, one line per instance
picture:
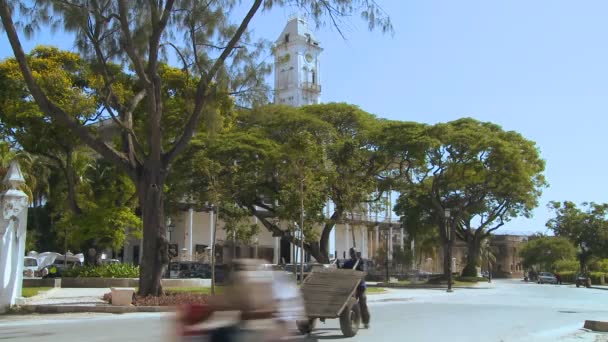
column 347, row 238
column 377, row 229
column 363, row 242
column 276, row 250
column 191, row 222
column 402, row 241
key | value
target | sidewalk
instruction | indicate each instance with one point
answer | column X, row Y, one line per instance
column 478, row 285
column 69, row 296
column 80, row 300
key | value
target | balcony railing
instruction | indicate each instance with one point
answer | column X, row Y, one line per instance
column 312, row 87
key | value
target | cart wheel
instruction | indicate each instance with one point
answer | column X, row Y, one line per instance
column 306, row 326
column 350, row 318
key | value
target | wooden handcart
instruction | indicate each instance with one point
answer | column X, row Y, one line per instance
column 330, row 293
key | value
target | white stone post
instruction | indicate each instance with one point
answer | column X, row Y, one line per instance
column 13, row 227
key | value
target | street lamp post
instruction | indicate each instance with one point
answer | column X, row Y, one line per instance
column 448, row 233
column 170, row 227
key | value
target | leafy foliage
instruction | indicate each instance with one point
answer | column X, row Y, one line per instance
column 104, row 271
column 546, row 251
column 485, row 175
column 587, row 228
column 566, row 266
column 219, row 59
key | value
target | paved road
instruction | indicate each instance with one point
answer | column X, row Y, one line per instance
column 511, row 311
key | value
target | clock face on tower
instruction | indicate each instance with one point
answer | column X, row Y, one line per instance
column 308, row 57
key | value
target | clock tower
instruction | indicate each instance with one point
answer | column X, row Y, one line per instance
column 296, row 65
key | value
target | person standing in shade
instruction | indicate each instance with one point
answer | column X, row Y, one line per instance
column 355, row 262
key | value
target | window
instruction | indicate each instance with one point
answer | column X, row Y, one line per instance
column 287, row 38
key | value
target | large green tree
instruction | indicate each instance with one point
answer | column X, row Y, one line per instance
column 586, row 228
column 483, row 174
column 546, row 251
column 215, row 53
column 276, row 159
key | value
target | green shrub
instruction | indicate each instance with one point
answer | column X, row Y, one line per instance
column 566, row 266
column 568, row 276
column 104, row 271
column 598, row 278
column 599, row 266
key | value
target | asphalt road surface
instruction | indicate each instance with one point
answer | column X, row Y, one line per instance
column 511, row 311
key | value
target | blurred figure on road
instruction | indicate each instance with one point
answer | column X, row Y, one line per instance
column 355, row 262
column 257, row 305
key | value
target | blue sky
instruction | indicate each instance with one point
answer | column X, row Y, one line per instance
column 537, row 67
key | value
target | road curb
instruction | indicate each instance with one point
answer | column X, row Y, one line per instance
column 59, row 309
column 430, row 286
column 596, row 326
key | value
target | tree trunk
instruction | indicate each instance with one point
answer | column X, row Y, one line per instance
column 473, row 248
column 323, row 249
column 71, row 182
column 155, row 256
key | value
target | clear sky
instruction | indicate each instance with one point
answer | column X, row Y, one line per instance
column 537, row 67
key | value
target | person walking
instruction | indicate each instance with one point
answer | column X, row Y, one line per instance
column 355, row 262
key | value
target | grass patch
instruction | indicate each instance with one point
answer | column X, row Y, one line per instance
column 28, row 292
column 375, row 290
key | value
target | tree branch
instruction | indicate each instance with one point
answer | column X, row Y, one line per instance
column 49, row 108
column 203, row 86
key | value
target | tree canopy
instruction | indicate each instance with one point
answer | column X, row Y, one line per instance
column 545, row 252
column 586, row 227
column 483, row 174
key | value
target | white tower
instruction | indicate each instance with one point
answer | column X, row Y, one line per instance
column 297, row 68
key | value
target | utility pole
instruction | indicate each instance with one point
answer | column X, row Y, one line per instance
column 449, row 236
column 217, row 216
column 302, row 229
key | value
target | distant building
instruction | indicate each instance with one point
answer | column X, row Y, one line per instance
column 505, row 249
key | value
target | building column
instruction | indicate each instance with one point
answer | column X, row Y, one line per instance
column 377, row 229
column 363, row 242
column 402, row 241
column 347, row 237
column 276, row 250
